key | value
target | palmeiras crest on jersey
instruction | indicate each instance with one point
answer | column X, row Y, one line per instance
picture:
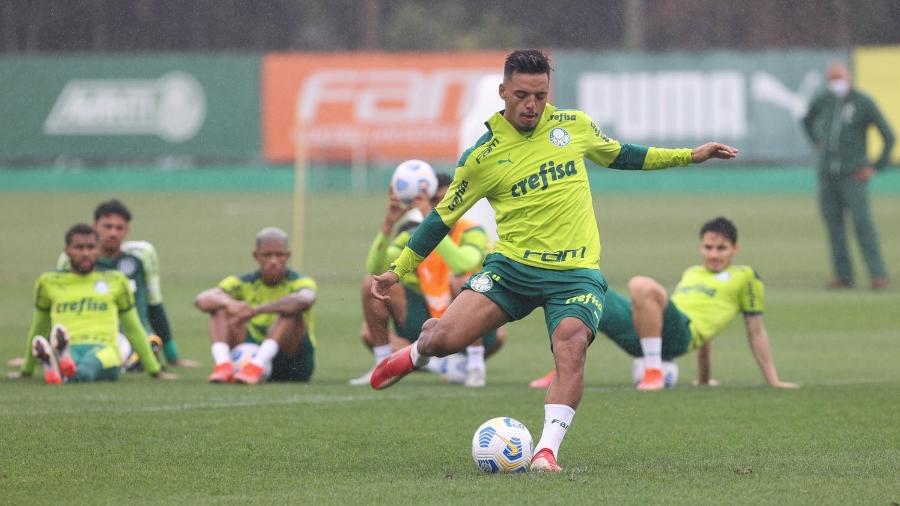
column 126, row 266
column 481, row 282
column 559, row 136
column 100, row 287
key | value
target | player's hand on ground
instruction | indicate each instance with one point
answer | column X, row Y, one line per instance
column 164, row 375
column 15, row 362
column 382, row 283
column 186, row 363
column 710, row 383
column 784, row 384
column 709, row 150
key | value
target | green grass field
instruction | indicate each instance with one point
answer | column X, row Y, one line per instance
column 835, row 441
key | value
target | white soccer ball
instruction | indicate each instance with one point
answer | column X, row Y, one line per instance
column 670, row 372
column 243, row 353
column 502, row 445
column 411, row 177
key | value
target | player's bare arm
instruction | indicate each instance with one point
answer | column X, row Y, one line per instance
column 291, row 304
column 762, row 351
column 710, row 150
column 704, row 367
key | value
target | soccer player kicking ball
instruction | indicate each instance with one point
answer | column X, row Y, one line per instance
column 530, row 166
column 271, row 307
column 85, row 308
column 654, row 327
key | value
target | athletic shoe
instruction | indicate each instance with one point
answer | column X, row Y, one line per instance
column 476, row 378
column 392, row 369
column 544, row 462
column 59, row 341
column 653, row 380
column 839, row 284
column 456, row 371
column 250, row 374
column 42, row 351
column 365, row 379
column 222, row 373
column 879, row 283
column 544, row 381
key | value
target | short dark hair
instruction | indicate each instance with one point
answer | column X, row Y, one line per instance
column 722, row 226
column 443, row 179
column 112, row 206
column 80, row 229
column 526, row 61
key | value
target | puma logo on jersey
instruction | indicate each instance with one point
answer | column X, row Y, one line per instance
column 508, row 160
column 540, row 180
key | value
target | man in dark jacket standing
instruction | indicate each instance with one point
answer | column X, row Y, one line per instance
column 837, row 122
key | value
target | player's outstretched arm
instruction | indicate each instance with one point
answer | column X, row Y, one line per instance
column 710, row 150
column 762, row 351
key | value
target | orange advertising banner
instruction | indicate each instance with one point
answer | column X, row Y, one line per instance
column 389, row 105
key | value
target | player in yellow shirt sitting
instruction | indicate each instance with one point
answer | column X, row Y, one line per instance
column 654, row 327
column 85, row 308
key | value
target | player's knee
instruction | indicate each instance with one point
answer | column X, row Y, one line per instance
column 435, row 339
column 643, row 288
column 571, row 340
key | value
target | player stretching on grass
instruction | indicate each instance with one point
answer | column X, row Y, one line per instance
column 705, row 300
column 530, row 166
column 271, row 307
column 85, row 308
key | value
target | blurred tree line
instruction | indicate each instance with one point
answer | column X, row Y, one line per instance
column 30, row 26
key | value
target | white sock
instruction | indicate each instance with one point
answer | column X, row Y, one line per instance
column 267, row 351
column 557, row 420
column 652, row 348
column 418, row 359
column 221, row 353
column 475, row 358
column 381, row 352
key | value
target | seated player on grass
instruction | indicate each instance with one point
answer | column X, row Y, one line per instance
column 81, row 309
column 271, row 307
column 139, row 262
column 426, row 292
column 654, row 327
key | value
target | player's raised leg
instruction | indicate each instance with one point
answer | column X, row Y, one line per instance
column 221, row 335
column 649, row 300
column 570, row 341
column 470, row 316
column 43, row 352
column 59, row 341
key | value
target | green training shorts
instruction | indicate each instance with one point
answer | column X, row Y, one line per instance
column 518, row 289
column 618, row 325
column 95, row 362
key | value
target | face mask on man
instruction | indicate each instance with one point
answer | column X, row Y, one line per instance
column 839, row 87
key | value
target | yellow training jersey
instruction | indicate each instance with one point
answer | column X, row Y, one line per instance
column 88, row 305
column 712, row 299
column 537, row 184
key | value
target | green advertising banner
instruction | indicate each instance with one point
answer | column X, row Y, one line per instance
column 129, row 106
column 753, row 100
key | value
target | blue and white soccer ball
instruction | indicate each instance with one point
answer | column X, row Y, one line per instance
column 243, row 353
column 502, row 445
column 411, row 177
column 670, row 372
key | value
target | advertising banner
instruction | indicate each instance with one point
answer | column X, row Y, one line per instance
column 387, row 106
column 876, row 72
column 135, row 106
column 754, row 101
